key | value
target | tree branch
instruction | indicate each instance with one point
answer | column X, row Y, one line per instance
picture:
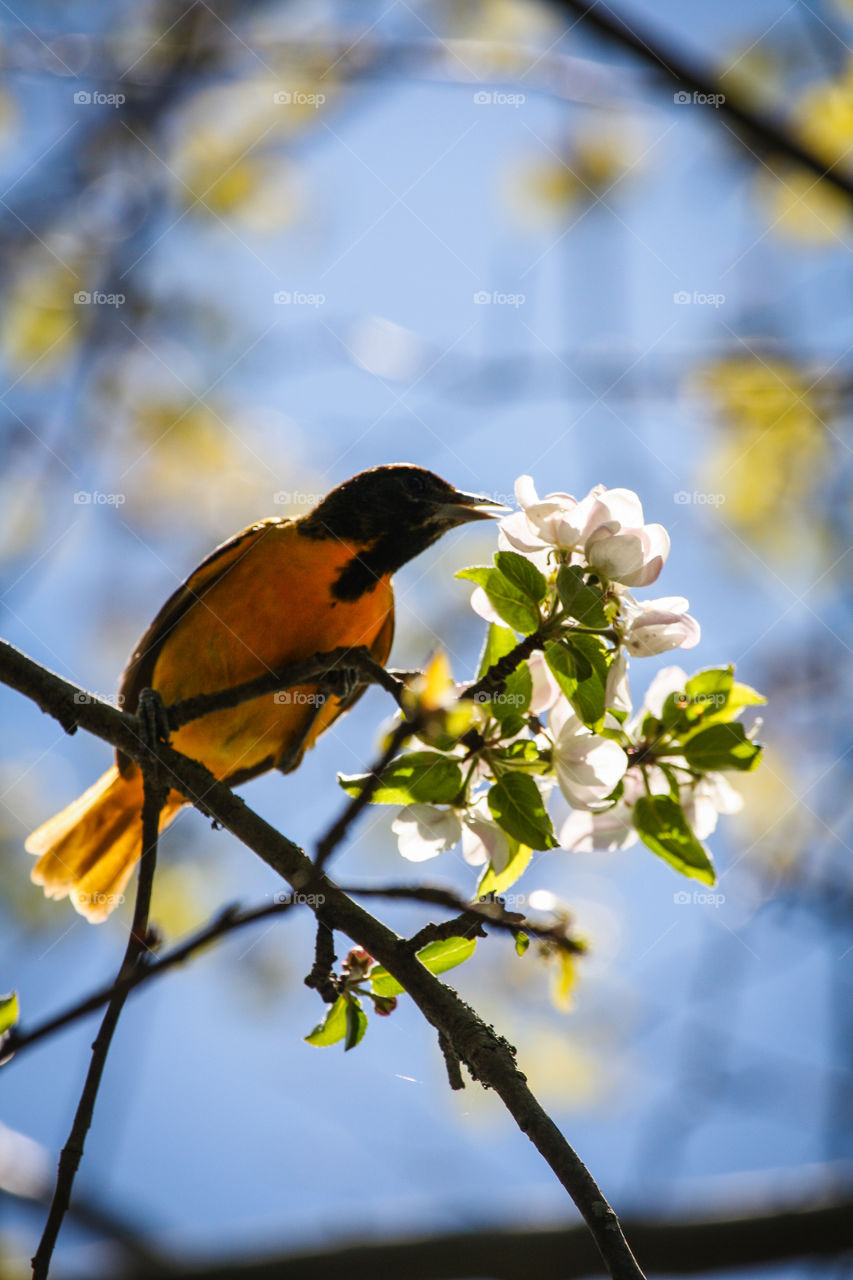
column 137, row 945
column 671, row 1247
column 226, row 922
column 487, row 1056
column 483, row 911
column 666, row 61
column 309, row 671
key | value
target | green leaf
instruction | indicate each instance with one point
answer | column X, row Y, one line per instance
column 589, row 697
column 721, row 746
column 333, row 1027
column 662, row 826
column 674, row 712
column 511, row 726
column 499, row 642
column 716, row 696
column 356, row 1023
column 381, row 982
column 516, row 695
column 522, row 942
column 517, row 806
column 524, row 754
column 714, row 685
column 522, row 574
column 513, row 605
column 9, row 1012
column 447, row 953
column 420, row 777
column 581, row 600
column 498, row 882
column 669, row 774
column 438, row 957
column 562, row 667
column 743, row 696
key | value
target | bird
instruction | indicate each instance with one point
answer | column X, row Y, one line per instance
column 279, row 591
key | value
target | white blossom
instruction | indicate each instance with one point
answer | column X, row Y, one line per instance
column 482, row 839
column 423, row 831
column 606, row 528
column 657, row 625
column 587, row 766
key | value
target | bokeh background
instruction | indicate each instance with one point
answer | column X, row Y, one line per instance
column 317, row 237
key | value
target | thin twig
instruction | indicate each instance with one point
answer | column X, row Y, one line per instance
column 321, row 977
column 327, row 843
column 488, row 911
column 69, row 1161
column 451, row 1061
column 227, row 921
column 309, row 671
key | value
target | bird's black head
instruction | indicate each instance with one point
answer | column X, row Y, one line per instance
column 394, row 513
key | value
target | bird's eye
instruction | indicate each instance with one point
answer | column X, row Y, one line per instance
column 417, row 482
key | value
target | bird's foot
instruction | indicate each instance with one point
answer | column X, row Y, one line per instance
column 153, row 718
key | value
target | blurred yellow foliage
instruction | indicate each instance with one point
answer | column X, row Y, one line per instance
column 754, row 75
column 799, row 203
column 776, row 829
column 21, row 519
column 182, row 456
column 825, row 117
column 227, row 151
column 774, row 449
column 184, row 896
column 501, row 35
column 564, row 978
column 40, row 318
column 801, row 206
column 545, row 190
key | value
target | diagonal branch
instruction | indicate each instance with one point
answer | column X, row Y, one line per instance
column 673, row 64
column 488, row 1057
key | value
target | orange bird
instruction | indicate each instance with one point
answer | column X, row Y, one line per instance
column 279, row 592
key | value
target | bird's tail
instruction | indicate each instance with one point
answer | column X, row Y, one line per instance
column 89, row 850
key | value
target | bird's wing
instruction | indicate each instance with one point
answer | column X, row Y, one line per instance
column 319, row 723
column 140, row 669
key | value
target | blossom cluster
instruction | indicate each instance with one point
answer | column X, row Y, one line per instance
column 561, row 720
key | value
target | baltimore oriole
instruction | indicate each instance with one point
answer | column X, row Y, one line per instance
column 278, row 592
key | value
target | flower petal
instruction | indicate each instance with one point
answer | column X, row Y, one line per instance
column 423, row 831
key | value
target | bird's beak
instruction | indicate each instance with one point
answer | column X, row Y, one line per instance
column 462, row 507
